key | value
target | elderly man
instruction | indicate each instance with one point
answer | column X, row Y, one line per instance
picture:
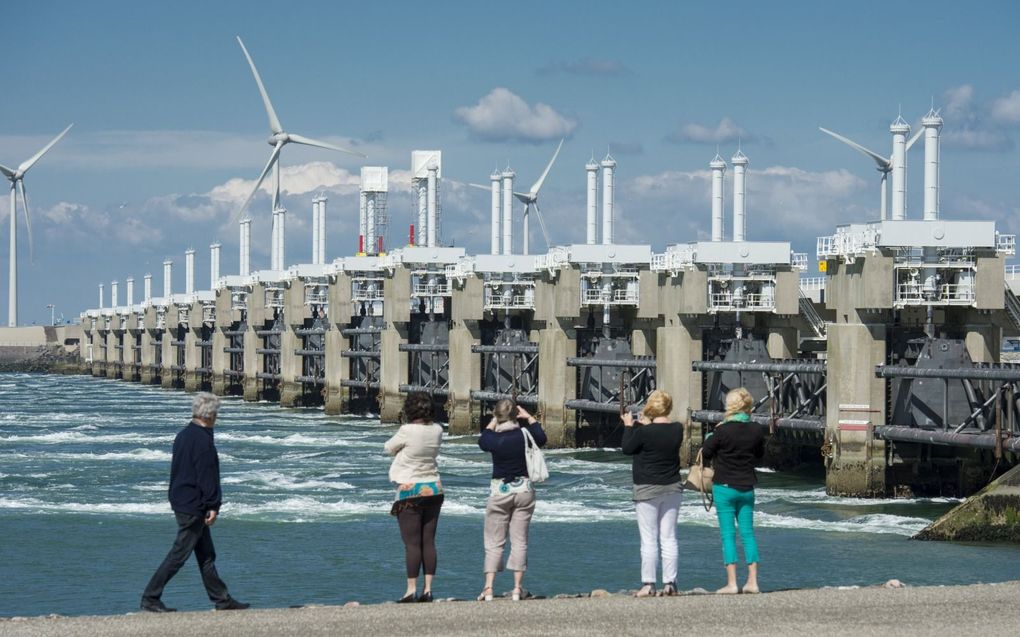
column 195, row 498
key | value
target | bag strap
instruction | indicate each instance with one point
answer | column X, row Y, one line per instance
column 707, row 500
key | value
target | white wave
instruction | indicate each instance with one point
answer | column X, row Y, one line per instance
column 278, row 480
column 59, row 437
column 33, row 504
column 293, row 440
column 873, row 523
column 818, row 496
column 135, row 454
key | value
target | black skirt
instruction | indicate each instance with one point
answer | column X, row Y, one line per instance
column 422, row 501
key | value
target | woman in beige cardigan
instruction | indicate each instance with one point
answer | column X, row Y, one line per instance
column 419, row 492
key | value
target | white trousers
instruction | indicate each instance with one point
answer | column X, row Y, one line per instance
column 657, row 524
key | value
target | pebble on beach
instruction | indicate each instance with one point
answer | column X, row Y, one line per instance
column 599, row 592
column 352, row 604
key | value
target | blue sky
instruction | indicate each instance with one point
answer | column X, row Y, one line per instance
column 169, row 130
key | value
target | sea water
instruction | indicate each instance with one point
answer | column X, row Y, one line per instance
column 84, row 519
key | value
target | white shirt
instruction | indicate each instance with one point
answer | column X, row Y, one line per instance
column 415, row 447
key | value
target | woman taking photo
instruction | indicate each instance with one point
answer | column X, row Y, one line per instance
column 419, row 492
column 734, row 448
column 511, row 494
column 654, row 442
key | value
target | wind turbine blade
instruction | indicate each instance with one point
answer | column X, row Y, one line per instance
column 28, row 221
column 7, row 172
column 274, row 121
column 265, row 171
column 307, row 141
column 883, row 162
column 481, row 187
column 25, row 165
column 917, row 136
column 541, row 224
column 538, row 184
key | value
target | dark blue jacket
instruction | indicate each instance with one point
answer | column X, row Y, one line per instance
column 195, row 472
column 507, row 449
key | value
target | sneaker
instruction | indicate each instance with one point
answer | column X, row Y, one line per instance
column 155, row 606
column 232, row 604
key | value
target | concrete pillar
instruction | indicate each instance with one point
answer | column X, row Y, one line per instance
column 192, row 358
column 113, row 360
column 855, row 463
column 557, row 383
column 677, row 346
column 783, row 342
column 149, row 371
column 338, row 369
column 167, row 374
column 465, row 376
column 220, row 359
column 393, row 362
column 256, row 318
column 984, row 343
column 294, row 314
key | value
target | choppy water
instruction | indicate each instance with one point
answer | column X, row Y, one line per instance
column 84, row 519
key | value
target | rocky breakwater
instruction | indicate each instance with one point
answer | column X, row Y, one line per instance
column 992, row 515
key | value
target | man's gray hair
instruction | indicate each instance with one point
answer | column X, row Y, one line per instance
column 205, row 406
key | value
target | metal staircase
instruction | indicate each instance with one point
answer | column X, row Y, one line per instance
column 807, row 310
column 1013, row 307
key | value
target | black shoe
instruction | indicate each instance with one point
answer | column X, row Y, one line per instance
column 155, row 606
column 233, row 604
column 669, row 590
column 425, row 597
column 407, row 599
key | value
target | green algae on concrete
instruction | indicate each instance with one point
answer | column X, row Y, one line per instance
column 992, row 515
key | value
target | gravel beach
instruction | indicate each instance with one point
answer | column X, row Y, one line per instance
column 979, row 609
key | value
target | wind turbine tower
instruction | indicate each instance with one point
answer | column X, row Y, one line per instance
column 17, row 179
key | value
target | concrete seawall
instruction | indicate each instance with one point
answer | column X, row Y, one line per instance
column 47, row 349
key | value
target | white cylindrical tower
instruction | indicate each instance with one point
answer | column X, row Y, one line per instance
column 433, row 203
column 101, row 288
column 422, row 237
column 244, row 268
column 130, row 291
column 281, row 236
column 608, row 175
column 363, row 222
column 932, row 123
column 168, row 272
column 494, row 183
column 147, row 288
column 592, row 170
column 718, row 167
column 274, row 241
column 315, row 231
column 189, row 272
column 508, row 210
column 214, row 265
column 113, row 294
column 739, row 174
column 899, row 129
column 370, row 223
column 322, row 229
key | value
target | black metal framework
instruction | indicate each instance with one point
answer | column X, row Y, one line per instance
column 793, row 398
column 313, row 353
column 271, row 337
column 428, row 368
column 363, row 354
column 606, row 383
column 177, row 335
column 509, row 370
column 234, row 349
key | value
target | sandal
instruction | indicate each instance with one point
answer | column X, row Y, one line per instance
column 648, row 590
column 669, row 590
column 485, row 595
column 518, row 594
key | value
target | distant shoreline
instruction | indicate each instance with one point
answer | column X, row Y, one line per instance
column 979, row 608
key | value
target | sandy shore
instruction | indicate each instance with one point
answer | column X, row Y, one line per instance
column 978, row 609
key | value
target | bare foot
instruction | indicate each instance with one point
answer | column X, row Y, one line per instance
column 648, row 590
column 750, row 589
column 728, row 590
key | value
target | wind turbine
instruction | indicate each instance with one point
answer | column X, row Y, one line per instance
column 530, row 199
column 278, row 139
column 17, row 179
column 883, row 164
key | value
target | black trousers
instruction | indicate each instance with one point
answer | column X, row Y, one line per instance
column 418, row 530
column 192, row 535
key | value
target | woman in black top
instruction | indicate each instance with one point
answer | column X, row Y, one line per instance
column 654, row 442
column 735, row 447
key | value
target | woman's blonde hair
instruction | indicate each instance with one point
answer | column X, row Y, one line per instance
column 659, row 404
column 738, row 401
column 505, row 410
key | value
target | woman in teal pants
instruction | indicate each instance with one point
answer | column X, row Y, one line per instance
column 734, row 448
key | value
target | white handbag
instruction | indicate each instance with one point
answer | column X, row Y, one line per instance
column 537, row 471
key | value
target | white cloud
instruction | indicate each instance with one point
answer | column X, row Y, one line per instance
column 504, row 116
column 1006, row 109
column 967, row 123
column 727, row 131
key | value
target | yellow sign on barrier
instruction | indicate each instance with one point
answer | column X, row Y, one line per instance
column 823, row 266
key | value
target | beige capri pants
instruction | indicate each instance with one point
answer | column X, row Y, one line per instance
column 511, row 512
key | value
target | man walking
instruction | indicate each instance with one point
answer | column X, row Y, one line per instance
column 195, row 498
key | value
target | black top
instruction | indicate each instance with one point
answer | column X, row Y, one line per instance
column 656, row 451
column 734, row 448
column 195, row 472
column 507, row 449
